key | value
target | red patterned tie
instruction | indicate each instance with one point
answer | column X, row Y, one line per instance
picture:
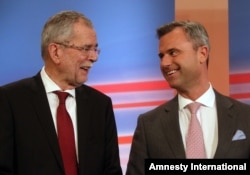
column 195, row 143
column 66, row 136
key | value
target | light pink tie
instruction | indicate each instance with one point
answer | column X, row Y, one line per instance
column 195, row 143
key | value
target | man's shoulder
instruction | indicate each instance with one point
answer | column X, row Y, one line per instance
column 18, row 84
column 87, row 89
column 229, row 101
column 162, row 110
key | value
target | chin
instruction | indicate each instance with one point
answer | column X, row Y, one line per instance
column 173, row 85
column 83, row 81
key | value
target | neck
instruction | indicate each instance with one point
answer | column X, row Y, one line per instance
column 195, row 92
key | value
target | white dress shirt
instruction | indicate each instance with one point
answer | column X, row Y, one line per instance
column 51, row 86
column 207, row 116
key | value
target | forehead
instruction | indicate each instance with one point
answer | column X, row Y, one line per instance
column 83, row 33
column 173, row 39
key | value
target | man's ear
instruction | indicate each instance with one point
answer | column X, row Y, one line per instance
column 203, row 54
column 54, row 52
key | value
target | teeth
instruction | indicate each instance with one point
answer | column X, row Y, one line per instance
column 171, row 72
column 86, row 66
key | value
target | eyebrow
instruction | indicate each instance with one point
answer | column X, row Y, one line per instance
column 168, row 50
column 90, row 45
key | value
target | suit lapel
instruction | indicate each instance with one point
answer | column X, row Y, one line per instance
column 83, row 125
column 171, row 128
column 226, row 125
column 41, row 105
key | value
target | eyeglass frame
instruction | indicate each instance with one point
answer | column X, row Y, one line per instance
column 85, row 49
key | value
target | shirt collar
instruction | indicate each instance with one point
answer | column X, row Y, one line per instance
column 51, row 86
column 206, row 99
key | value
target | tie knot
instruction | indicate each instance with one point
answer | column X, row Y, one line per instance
column 193, row 107
column 62, row 96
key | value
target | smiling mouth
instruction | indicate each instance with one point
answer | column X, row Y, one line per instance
column 87, row 66
column 171, row 72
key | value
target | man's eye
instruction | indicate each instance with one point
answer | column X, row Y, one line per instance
column 86, row 49
column 161, row 55
column 173, row 52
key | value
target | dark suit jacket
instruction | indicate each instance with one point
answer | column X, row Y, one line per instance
column 28, row 140
column 158, row 133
